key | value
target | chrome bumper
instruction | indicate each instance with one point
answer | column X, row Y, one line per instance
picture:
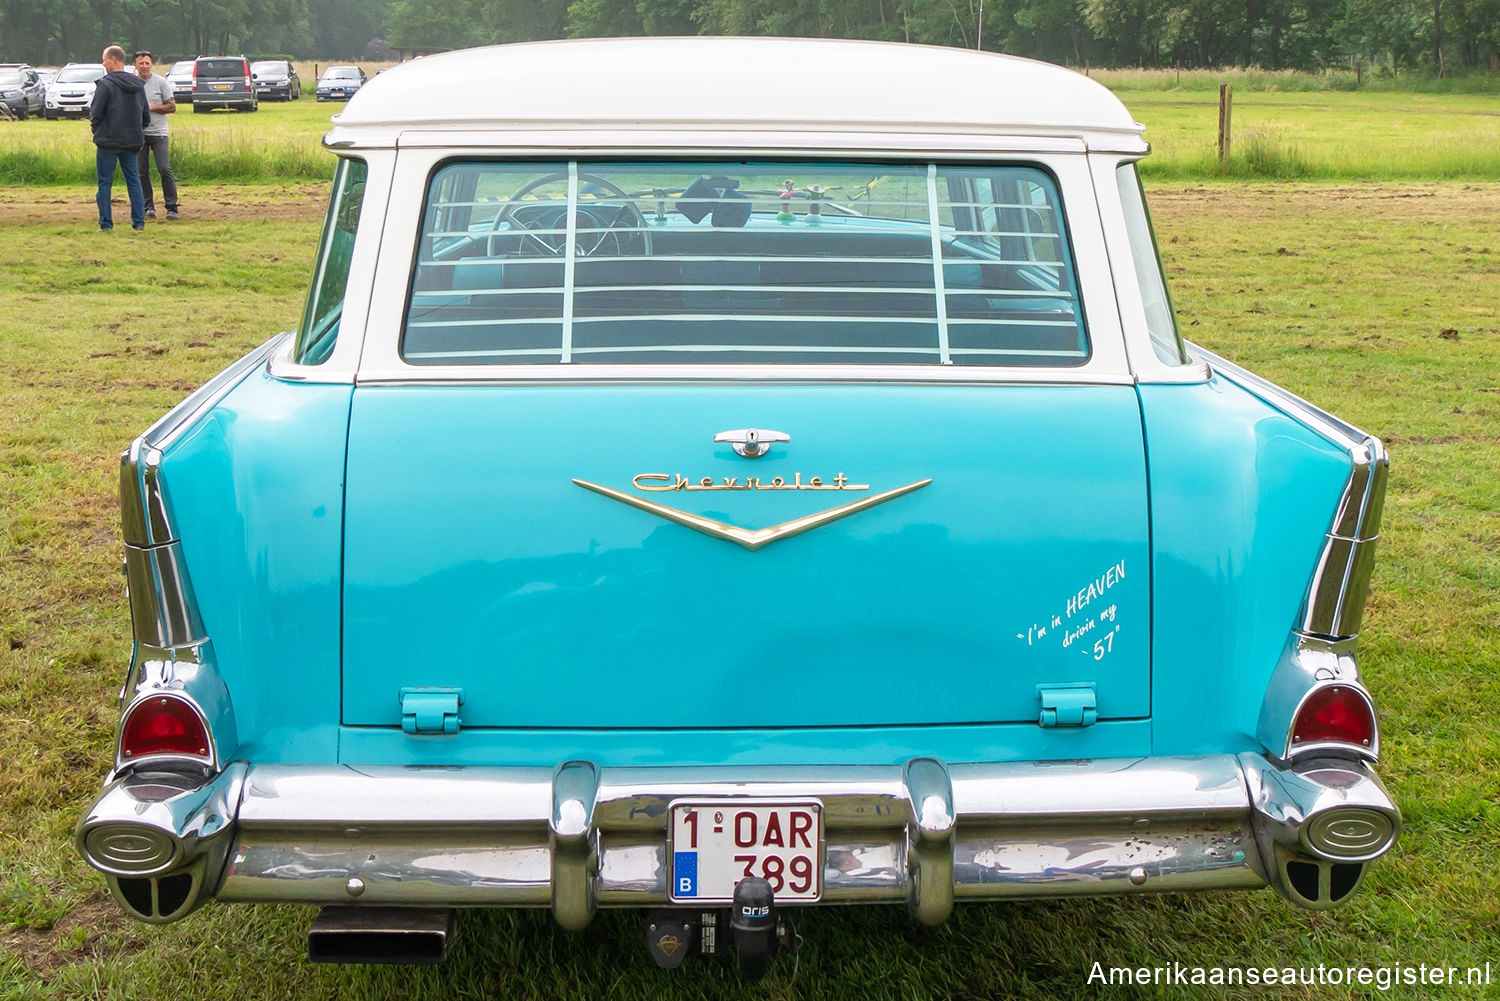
column 580, row 837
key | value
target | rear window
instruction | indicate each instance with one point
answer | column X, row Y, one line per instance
column 218, row 69
column 744, row 263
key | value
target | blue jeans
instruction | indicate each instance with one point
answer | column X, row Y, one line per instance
column 104, row 166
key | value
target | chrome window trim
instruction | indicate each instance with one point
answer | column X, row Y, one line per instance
column 381, row 362
column 725, row 375
column 1144, row 361
column 343, row 362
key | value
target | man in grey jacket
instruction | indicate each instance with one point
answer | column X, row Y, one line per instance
column 160, row 102
column 119, row 117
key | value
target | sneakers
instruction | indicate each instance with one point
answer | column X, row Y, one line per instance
column 172, row 215
column 150, row 213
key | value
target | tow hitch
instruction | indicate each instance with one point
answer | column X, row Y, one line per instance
column 758, row 928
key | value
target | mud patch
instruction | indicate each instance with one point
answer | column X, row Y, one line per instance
column 91, row 930
column 210, row 203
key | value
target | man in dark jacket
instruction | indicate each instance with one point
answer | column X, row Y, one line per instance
column 119, row 115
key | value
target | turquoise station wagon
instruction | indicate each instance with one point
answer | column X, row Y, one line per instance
column 773, row 479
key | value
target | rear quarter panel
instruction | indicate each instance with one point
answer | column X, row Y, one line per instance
column 256, row 488
column 1241, row 497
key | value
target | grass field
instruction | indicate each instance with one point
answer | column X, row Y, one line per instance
column 1381, row 302
column 1278, row 132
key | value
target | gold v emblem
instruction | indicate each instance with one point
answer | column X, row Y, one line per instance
column 752, row 538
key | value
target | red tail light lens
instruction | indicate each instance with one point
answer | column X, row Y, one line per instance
column 1336, row 713
column 163, row 725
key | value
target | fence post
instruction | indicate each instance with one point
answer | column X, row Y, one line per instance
column 1226, row 102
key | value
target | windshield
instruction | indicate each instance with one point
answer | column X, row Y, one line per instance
column 182, row 70
column 80, row 74
column 218, row 69
column 271, row 68
column 341, row 73
column 753, row 263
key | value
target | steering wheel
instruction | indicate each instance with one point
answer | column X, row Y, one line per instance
column 600, row 227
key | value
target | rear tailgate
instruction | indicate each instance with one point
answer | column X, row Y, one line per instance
column 474, row 560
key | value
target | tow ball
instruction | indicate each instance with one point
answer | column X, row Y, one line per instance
column 758, row 928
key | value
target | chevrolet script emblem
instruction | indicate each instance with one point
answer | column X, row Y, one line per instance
column 750, row 538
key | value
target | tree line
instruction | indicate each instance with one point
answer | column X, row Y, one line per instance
column 1439, row 36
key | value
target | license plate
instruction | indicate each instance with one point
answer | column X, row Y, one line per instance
column 222, row 86
column 717, row 843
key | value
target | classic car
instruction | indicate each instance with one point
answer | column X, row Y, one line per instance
column 683, row 498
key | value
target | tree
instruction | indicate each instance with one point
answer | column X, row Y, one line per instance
column 432, row 24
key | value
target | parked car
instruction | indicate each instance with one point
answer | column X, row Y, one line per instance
column 697, row 501
column 72, row 92
column 338, row 83
column 223, row 82
column 22, row 92
column 180, row 76
column 276, row 78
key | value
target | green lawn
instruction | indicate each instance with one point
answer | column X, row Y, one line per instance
column 1381, row 302
column 1352, row 135
column 1328, row 135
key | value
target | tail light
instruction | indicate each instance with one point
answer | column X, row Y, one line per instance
column 246, row 66
column 163, row 724
column 1335, row 714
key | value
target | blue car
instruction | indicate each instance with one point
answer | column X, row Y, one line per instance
column 693, row 500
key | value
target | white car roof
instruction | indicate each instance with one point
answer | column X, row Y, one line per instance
column 733, row 86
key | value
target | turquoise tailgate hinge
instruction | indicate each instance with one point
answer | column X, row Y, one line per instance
column 1068, row 705
column 431, row 710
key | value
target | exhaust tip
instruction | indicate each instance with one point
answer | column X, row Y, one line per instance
column 387, row 935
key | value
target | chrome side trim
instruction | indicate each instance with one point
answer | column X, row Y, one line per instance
column 163, row 609
column 1332, row 427
column 1335, row 601
column 143, row 508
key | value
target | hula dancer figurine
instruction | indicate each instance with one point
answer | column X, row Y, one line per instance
column 786, row 214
